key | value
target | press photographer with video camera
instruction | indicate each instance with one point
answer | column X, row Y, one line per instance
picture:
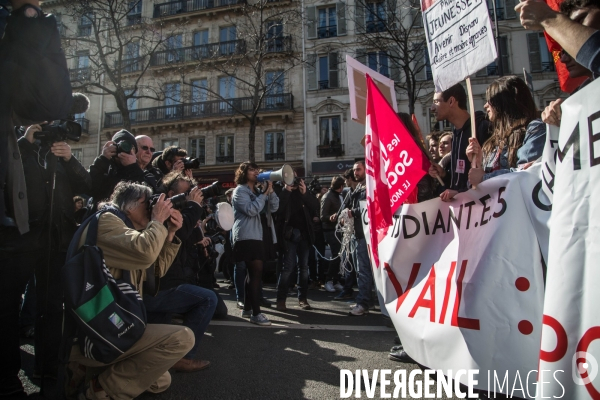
column 178, row 292
column 117, row 163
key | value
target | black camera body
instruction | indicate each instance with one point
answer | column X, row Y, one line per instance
column 215, row 239
column 124, row 147
column 59, row 131
column 191, row 163
column 178, row 201
column 314, row 186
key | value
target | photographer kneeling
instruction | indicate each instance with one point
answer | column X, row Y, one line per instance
column 178, row 292
column 133, row 238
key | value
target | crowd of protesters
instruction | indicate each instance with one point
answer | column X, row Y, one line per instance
column 167, row 252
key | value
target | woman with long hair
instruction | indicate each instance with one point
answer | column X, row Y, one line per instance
column 247, row 233
column 518, row 135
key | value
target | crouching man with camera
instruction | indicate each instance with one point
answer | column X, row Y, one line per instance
column 132, row 238
column 178, row 292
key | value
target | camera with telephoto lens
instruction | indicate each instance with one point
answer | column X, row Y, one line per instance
column 59, row 131
column 191, row 163
column 215, row 189
column 214, row 240
column 178, row 201
column 314, row 186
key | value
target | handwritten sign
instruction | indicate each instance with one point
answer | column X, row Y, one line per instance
column 460, row 39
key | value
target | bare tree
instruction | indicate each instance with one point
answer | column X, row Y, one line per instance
column 113, row 46
column 392, row 33
column 261, row 47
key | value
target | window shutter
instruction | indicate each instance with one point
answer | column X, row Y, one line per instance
column 509, row 7
column 311, row 22
column 535, row 59
column 340, row 9
column 505, row 55
column 311, row 71
column 391, row 8
column 394, row 61
column 359, row 16
column 361, row 56
column 333, row 70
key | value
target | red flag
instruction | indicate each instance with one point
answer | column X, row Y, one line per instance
column 566, row 84
column 394, row 165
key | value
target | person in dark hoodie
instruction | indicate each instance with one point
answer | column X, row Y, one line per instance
column 171, row 159
column 451, row 105
column 118, row 162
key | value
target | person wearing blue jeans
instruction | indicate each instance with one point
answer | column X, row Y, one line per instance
column 365, row 278
column 196, row 304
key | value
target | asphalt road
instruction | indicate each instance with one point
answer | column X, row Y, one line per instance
column 298, row 357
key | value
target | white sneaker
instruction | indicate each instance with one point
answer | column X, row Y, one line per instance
column 359, row 310
column 338, row 287
column 329, row 286
column 260, row 319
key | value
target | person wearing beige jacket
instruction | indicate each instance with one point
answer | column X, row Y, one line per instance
column 133, row 238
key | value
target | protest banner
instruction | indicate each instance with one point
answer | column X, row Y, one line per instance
column 549, row 160
column 357, row 88
column 459, row 39
column 571, row 319
column 394, row 162
column 463, row 281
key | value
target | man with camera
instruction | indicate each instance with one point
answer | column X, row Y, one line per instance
column 178, row 292
column 172, row 159
column 51, row 175
column 133, row 237
column 118, row 162
column 295, row 236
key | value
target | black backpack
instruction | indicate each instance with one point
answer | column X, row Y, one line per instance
column 109, row 314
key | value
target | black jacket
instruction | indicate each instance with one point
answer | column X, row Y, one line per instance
column 310, row 207
column 460, row 141
column 353, row 203
column 107, row 173
column 70, row 176
column 330, row 204
column 185, row 266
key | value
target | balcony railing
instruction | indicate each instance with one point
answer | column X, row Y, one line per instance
column 187, row 6
column 274, row 156
column 330, row 150
column 195, row 53
column 84, row 30
column 224, row 159
column 129, row 65
column 205, row 109
column 85, row 125
column 80, row 74
column 327, row 31
column 281, row 44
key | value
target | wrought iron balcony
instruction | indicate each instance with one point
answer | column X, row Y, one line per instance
column 204, row 109
column 274, row 156
column 224, row 159
column 330, row 150
column 195, row 53
column 327, row 31
column 80, row 74
column 84, row 30
column 85, row 125
column 129, row 65
column 282, row 44
column 189, row 6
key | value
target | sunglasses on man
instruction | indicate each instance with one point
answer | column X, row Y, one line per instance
column 146, row 148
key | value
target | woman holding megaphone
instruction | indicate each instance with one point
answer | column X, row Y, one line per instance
column 247, row 233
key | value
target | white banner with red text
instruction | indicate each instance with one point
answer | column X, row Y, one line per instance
column 463, row 281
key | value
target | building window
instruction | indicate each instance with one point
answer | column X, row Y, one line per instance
column 134, row 15
column 199, row 96
column 174, row 44
column 170, row 142
column 422, row 64
column 226, row 91
column 328, row 71
column 540, row 59
column 85, row 24
column 274, row 146
column 327, row 22
column 375, row 17
column 172, row 100
column 435, row 125
column 492, row 69
column 330, row 137
column 78, row 154
column 224, row 149
column 227, row 40
column 274, row 89
column 378, row 61
column 197, row 149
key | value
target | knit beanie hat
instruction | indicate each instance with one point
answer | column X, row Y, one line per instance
column 125, row 136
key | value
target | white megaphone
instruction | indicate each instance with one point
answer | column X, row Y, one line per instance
column 285, row 174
